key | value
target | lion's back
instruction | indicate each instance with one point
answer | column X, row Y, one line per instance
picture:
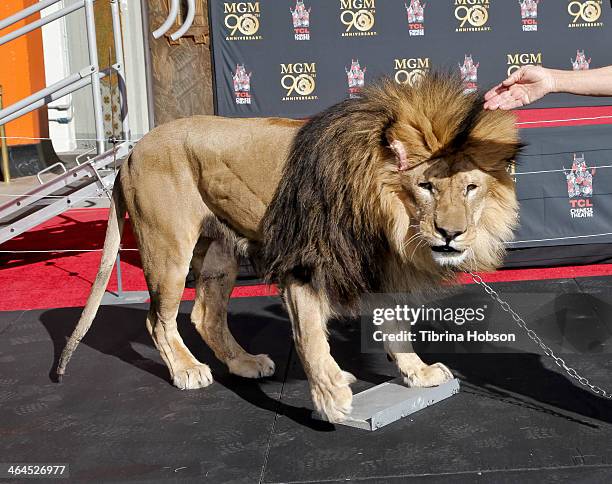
column 236, row 163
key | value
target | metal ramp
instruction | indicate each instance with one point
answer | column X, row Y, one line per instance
column 87, row 179
column 90, row 179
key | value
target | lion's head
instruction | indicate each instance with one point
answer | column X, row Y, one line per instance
column 408, row 180
column 452, row 158
column 460, row 212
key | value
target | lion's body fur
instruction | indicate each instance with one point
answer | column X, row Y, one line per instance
column 323, row 209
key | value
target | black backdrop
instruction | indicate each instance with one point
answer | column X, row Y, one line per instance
column 263, row 41
column 266, row 66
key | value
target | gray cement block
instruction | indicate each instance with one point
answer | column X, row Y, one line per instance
column 390, row 401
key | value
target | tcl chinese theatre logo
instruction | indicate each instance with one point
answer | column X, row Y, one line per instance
column 358, row 17
column 529, row 15
column 300, row 16
column 469, row 74
column 580, row 188
column 515, row 61
column 584, row 13
column 242, row 20
column 298, row 80
column 416, row 17
column 242, row 85
column 472, row 15
column 355, row 77
column 410, row 70
column 580, row 62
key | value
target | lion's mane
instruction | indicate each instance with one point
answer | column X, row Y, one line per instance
column 331, row 220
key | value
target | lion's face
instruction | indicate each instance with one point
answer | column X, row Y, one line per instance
column 460, row 213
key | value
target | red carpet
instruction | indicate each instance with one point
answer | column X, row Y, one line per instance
column 60, row 279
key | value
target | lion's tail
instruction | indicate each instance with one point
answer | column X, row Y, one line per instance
column 109, row 254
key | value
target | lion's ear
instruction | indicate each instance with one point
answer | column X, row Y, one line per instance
column 490, row 155
column 400, row 154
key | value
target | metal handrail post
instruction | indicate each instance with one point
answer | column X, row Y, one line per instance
column 13, row 108
column 26, row 12
column 144, row 8
column 92, row 45
column 119, row 277
column 120, row 69
column 39, row 23
column 120, row 65
column 6, row 169
column 51, row 97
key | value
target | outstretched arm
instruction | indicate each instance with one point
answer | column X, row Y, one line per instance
column 530, row 83
column 596, row 82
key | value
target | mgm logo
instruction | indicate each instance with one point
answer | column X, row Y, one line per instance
column 410, row 71
column 515, row 61
column 358, row 17
column 298, row 80
column 242, row 20
column 584, row 13
column 472, row 15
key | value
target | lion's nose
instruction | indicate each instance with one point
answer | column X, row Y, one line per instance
column 448, row 234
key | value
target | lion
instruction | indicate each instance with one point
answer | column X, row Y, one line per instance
column 394, row 191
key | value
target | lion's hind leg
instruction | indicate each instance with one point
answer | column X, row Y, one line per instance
column 166, row 280
column 216, row 268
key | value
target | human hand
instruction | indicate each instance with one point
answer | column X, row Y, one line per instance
column 526, row 85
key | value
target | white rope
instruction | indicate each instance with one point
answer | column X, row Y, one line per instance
column 54, row 251
column 121, row 140
column 20, row 195
column 560, row 238
column 69, row 139
column 10, row 195
column 560, row 170
column 594, row 118
column 518, row 123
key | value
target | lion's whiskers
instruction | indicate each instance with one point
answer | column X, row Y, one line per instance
column 414, row 236
column 422, row 241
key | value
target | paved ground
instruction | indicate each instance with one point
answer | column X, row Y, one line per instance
column 116, row 418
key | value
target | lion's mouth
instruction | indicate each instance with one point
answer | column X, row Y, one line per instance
column 446, row 255
column 445, row 249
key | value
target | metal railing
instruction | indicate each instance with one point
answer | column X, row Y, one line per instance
column 90, row 75
column 88, row 179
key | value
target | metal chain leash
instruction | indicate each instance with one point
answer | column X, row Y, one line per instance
column 531, row 333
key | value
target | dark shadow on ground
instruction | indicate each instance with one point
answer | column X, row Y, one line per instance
column 117, row 329
column 520, row 379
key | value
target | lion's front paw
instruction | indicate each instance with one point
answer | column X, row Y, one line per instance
column 197, row 376
column 428, row 376
column 331, row 394
column 251, row 366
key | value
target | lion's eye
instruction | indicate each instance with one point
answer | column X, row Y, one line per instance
column 470, row 187
column 426, row 186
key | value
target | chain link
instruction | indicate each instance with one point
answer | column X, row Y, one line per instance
column 560, row 362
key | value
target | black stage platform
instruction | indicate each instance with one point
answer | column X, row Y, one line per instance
column 116, row 418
